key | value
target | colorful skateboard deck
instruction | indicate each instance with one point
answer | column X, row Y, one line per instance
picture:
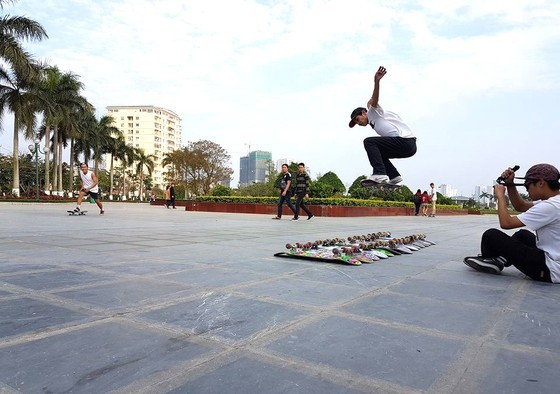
column 377, row 185
column 74, row 213
column 321, row 254
column 357, row 249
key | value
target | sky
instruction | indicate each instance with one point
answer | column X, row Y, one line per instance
column 477, row 81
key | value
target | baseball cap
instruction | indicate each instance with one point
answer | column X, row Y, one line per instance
column 542, row 171
column 356, row 112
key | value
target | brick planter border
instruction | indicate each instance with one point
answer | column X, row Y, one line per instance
column 318, row 210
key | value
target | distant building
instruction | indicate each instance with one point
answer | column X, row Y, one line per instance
column 447, row 190
column 480, row 192
column 155, row 130
column 254, row 167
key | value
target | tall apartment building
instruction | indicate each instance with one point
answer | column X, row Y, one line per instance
column 155, row 130
column 254, row 167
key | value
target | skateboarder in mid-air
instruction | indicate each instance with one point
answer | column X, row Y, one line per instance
column 395, row 137
column 89, row 187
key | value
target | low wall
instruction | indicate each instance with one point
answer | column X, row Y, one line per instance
column 317, row 210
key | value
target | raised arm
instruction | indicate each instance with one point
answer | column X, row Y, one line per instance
column 515, row 198
column 374, row 100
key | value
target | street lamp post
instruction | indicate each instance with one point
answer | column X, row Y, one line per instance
column 36, row 149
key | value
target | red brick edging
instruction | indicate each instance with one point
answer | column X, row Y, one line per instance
column 318, row 210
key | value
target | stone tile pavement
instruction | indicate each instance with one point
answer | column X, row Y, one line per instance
column 150, row 300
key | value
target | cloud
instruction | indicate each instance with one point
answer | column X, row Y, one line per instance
column 286, row 74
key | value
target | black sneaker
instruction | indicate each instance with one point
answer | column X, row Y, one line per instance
column 295, row 218
column 504, row 261
column 309, row 217
column 484, row 264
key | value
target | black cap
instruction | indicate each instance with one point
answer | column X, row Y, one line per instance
column 356, row 112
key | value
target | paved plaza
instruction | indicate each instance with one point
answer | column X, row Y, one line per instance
column 150, row 300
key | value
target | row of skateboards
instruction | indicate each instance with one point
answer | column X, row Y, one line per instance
column 356, row 250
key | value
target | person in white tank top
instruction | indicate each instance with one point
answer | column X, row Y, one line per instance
column 89, row 188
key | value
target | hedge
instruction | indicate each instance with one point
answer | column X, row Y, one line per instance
column 347, row 202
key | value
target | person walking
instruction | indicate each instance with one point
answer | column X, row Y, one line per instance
column 424, row 204
column 172, row 195
column 167, row 196
column 90, row 187
column 395, row 141
column 433, row 199
column 417, row 198
column 285, row 192
column 302, row 191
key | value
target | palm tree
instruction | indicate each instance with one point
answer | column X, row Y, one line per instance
column 61, row 90
column 143, row 160
column 17, row 96
column 126, row 155
column 18, row 76
column 12, row 30
column 116, row 144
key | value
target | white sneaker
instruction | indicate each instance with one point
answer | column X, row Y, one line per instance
column 395, row 180
column 378, row 178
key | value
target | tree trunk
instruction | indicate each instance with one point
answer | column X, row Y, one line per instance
column 71, row 181
column 111, row 179
column 55, row 160
column 47, row 157
column 15, row 159
column 60, row 188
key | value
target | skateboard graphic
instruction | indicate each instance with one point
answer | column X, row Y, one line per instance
column 357, row 249
column 74, row 213
column 379, row 185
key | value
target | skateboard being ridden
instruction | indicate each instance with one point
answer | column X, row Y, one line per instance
column 89, row 188
column 395, row 140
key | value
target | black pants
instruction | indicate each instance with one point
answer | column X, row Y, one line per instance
column 300, row 204
column 520, row 250
column 288, row 199
column 381, row 149
column 416, row 208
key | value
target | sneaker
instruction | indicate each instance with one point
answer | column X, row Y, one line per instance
column 77, row 209
column 378, row 178
column 101, row 212
column 504, row 261
column 395, row 180
column 276, row 218
column 309, row 217
column 484, row 264
column 295, row 218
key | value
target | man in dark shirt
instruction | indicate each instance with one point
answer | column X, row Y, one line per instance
column 302, row 190
column 285, row 192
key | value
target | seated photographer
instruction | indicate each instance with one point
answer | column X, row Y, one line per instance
column 537, row 256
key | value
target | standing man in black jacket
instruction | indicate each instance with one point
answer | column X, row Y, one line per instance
column 302, row 191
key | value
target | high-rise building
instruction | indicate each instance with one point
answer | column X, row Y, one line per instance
column 254, row 167
column 155, row 130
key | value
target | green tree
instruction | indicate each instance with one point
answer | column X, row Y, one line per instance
column 61, row 97
column 220, row 190
column 319, row 189
column 330, row 178
column 205, row 164
column 143, row 161
column 19, row 75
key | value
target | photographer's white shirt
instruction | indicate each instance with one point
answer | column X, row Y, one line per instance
column 544, row 218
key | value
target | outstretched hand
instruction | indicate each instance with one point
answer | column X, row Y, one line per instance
column 380, row 73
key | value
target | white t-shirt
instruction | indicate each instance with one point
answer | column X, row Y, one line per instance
column 544, row 218
column 388, row 124
column 87, row 181
column 433, row 195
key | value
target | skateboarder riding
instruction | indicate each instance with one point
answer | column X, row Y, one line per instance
column 395, row 141
column 89, row 187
